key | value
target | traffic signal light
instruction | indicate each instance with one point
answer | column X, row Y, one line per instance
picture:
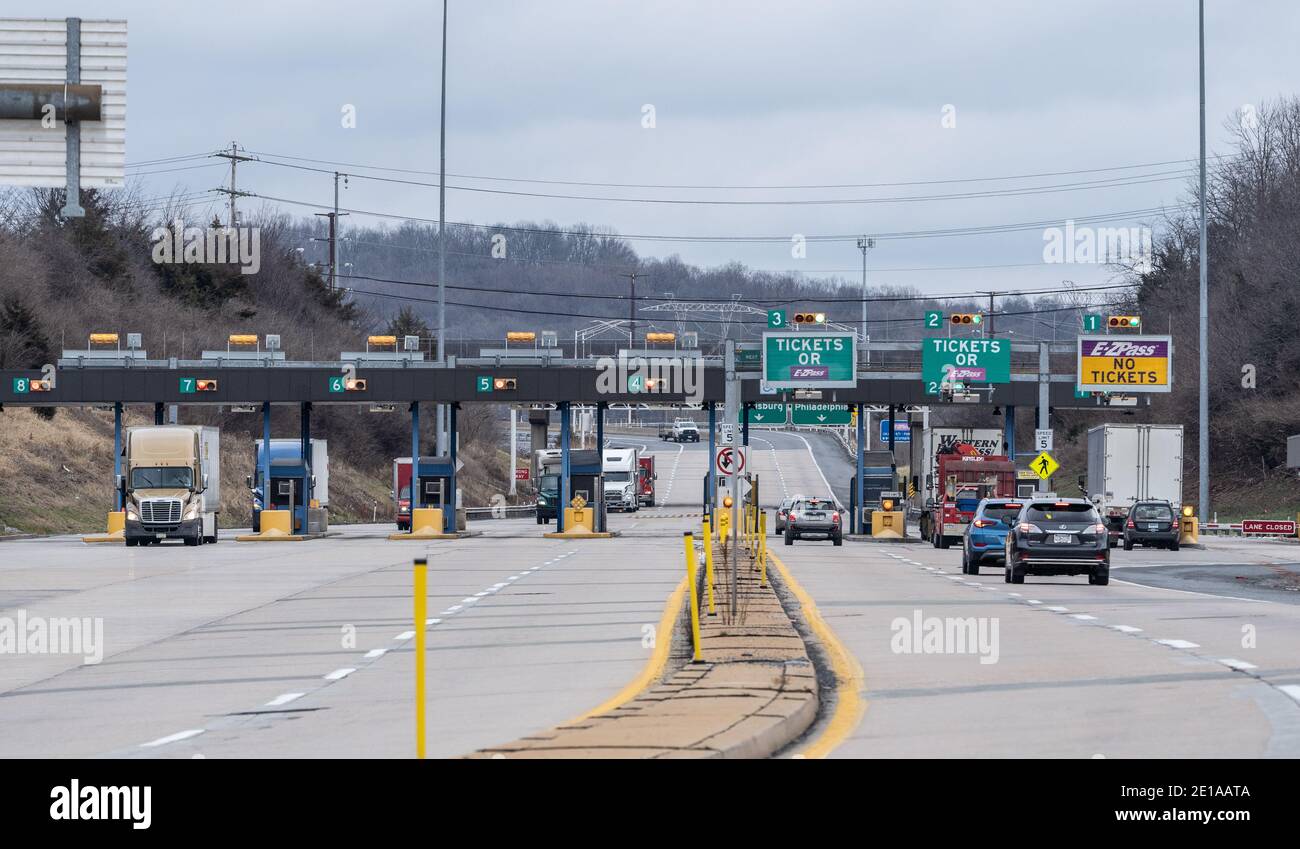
column 965, row 318
column 506, row 384
column 39, row 386
column 810, row 318
column 1130, row 322
column 660, row 337
column 355, row 384
column 205, row 385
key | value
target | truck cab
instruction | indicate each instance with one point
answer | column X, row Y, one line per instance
column 171, row 486
column 685, row 430
column 965, row 478
column 648, row 477
column 621, row 471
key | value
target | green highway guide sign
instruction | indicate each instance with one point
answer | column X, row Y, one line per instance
column 965, row 361
column 821, row 414
column 810, row 360
column 768, row 413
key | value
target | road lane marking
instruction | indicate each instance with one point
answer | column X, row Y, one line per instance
column 657, row 662
column 1033, row 601
column 405, row 635
column 1240, row 665
column 373, row 653
column 1127, row 629
column 1179, row 644
column 850, row 680
column 1083, row 617
column 1057, row 608
column 339, row 674
column 284, row 699
column 172, row 738
column 1292, row 690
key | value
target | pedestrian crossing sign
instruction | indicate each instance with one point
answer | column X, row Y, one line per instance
column 1044, row 465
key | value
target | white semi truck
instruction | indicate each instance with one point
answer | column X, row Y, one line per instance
column 171, row 483
column 621, row 469
column 1128, row 463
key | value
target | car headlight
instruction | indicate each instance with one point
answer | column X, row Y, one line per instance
column 405, row 509
column 132, row 515
column 192, row 510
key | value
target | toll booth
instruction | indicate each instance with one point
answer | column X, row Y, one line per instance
column 876, row 483
column 586, row 478
column 298, row 485
column 433, row 486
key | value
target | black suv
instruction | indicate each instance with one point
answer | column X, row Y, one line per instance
column 1058, row 537
column 1152, row 523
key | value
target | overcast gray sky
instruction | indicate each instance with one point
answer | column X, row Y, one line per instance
column 745, row 93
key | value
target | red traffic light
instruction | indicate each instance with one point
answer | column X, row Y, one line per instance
column 205, row 385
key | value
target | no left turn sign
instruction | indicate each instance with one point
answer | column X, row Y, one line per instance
column 730, row 460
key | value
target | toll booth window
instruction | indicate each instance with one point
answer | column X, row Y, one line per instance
column 433, row 488
column 284, row 488
column 166, row 477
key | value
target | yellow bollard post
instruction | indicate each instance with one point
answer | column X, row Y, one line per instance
column 708, row 563
column 695, row 601
column 421, row 610
column 762, row 549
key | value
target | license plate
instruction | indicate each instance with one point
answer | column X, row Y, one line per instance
column 1153, row 527
column 161, row 536
column 1062, row 539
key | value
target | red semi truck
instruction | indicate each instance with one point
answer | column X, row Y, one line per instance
column 964, row 478
column 646, row 482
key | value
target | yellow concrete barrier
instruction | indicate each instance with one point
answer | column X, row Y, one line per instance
column 116, row 529
column 1189, row 530
column 691, row 569
column 579, row 523
column 276, row 525
column 887, row 525
column 426, row 523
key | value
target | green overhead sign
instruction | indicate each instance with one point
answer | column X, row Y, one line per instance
column 964, row 361
column 810, row 360
column 820, row 414
column 768, row 413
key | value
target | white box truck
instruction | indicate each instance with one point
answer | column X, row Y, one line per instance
column 621, row 468
column 171, row 483
column 1133, row 462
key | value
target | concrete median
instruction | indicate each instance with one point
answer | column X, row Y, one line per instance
column 754, row 691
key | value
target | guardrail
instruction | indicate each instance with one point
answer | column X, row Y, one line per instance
column 505, row 511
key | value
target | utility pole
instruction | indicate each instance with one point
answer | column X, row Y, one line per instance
column 442, row 222
column 988, row 325
column 631, row 311
column 235, row 158
column 865, row 244
column 1203, row 441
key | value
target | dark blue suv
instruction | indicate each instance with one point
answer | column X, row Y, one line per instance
column 986, row 535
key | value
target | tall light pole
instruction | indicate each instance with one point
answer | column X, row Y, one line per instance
column 1203, row 442
column 442, row 236
column 631, row 311
column 865, row 244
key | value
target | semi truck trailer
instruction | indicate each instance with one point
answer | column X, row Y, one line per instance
column 1128, row 463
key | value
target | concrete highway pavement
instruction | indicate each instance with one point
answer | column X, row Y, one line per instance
column 305, row 649
column 1069, row 669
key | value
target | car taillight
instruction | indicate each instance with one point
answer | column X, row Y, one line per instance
column 984, row 523
column 1130, row 524
column 794, row 517
column 1030, row 528
column 1101, row 528
column 835, row 517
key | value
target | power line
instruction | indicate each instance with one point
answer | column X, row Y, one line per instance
column 1185, row 162
column 1111, row 182
column 900, row 235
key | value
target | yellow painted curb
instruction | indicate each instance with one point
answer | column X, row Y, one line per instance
column 655, row 666
column 850, row 680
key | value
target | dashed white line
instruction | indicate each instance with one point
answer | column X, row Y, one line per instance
column 1292, row 690
column 374, row 653
column 405, row 635
column 1083, row 617
column 1179, row 644
column 1240, row 665
column 172, row 738
column 1056, row 608
column 339, row 674
column 1127, row 629
column 284, row 699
